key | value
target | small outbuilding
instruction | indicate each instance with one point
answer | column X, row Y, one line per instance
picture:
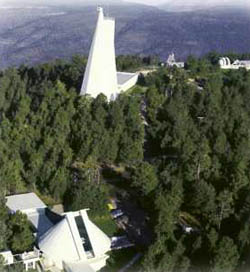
column 25, row 203
column 36, row 211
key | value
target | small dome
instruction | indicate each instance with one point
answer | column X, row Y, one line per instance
column 228, row 62
column 222, row 62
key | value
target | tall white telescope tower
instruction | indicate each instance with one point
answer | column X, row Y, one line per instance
column 101, row 75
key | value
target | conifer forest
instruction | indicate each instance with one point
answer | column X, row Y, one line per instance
column 178, row 144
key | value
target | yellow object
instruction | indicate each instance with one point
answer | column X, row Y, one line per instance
column 111, row 206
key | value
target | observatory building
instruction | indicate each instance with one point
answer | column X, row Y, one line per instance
column 225, row 63
column 171, row 62
column 101, row 75
column 69, row 241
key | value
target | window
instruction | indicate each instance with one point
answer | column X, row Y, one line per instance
column 84, row 237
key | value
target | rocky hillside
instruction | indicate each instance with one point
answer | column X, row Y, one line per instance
column 41, row 33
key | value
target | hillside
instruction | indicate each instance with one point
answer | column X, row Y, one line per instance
column 39, row 34
column 192, row 5
column 182, row 175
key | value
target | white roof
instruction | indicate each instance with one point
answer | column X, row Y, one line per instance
column 100, row 242
column 79, row 267
column 63, row 242
column 59, row 243
column 24, row 202
column 123, row 77
column 8, row 257
column 6, row 254
column 242, row 62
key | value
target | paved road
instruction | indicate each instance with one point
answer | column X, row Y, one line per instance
column 132, row 262
column 136, row 228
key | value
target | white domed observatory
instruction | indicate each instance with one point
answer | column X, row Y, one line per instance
column 75, row 244
column 101, row 75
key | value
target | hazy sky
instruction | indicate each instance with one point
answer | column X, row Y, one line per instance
column 198, row 2
column 149, row 2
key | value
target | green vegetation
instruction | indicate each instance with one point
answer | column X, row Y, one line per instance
column 105, row 224
column 198, row 139
column 13, row 268
column 119, row 259
column 188, row 168
column 54, row 142
column 20, row 234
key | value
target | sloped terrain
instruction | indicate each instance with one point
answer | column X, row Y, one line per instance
column 39, row 34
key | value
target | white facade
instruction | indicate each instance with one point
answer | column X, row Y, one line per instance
column 74, row 243
column 29, row 259
column 171, row 62
column 8, row 258
column 225, row 63
column 101, row 74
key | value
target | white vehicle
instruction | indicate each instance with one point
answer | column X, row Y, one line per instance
column 116, row 213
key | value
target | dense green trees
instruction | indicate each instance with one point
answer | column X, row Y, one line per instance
column 144, row 177
column 54, row 141
column 3, row 226
column 13, row 268
column 44, row 132
column 88, row 192
column 198, row 134
column 188, row 163
column 20, row 234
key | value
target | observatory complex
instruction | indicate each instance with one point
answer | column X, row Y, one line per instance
column 225, row 63
column 101, row 75
column 171, row 62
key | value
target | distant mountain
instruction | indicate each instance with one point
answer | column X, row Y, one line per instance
column 20, row 3
column 197, row 5
column 42, row 33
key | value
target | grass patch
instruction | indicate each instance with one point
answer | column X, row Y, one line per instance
column 105, row 223
column 136, row 90
column 48, row 200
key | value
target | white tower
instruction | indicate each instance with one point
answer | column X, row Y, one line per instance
column 100, row 74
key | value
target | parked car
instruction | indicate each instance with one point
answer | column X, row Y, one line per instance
column 116, row 213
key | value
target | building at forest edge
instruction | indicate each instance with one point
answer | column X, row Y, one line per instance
column 101, row 75
column 225, row 63
column 69, row 242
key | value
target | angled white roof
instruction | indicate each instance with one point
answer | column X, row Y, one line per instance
column 24, row 202
column 59, row 243
column 100, row 242
column 123, row 77
column 63, row 242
